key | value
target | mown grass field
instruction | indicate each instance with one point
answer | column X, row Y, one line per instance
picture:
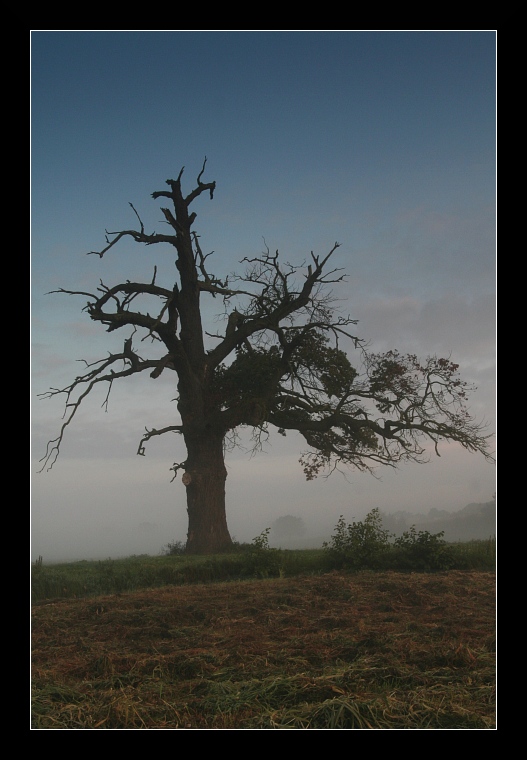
column 369, row 650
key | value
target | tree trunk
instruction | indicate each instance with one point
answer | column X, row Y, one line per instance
column 204, row 479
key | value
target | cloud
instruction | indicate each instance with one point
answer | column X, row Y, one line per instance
column 453, row 324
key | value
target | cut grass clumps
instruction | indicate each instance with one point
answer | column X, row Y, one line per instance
column 365, row 651
column 339, row 713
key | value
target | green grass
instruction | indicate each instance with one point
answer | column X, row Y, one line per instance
column 93, row 578
column 475, row 555
column 89, row 578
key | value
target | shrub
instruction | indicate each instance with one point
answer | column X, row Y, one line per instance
column 261, row 542
column 422, row 551
column 175, row 548
column 359, row 545
column 261, row 560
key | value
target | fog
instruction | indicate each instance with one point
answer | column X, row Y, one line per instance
column 88, row 510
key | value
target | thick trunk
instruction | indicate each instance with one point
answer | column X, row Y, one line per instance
column 204, row 479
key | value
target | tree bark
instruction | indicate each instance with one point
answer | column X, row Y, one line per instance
column 204, row 478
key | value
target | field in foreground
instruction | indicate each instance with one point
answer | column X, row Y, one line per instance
column 379, row 650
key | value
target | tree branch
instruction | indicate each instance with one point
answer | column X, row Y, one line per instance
column 153, row 432
column 90, row 379
column 139, row 237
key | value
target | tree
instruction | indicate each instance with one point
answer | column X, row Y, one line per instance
column 278, row 362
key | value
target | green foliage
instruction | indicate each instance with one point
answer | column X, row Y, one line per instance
column 367, row 545
column 261, row 561
column 261, row 542
column 252, row 375
column 474, row 555
column 94, row 578
column 422, row 551
column 317, row 360
column 416, row 551
column 174, row 548
column 360, row 545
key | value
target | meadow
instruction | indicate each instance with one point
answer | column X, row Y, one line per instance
column 266, row 639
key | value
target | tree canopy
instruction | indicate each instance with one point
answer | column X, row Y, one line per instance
column 281, row 360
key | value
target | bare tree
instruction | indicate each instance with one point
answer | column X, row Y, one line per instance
column 277, row 362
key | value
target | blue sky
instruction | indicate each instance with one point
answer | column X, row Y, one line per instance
column 382, row 141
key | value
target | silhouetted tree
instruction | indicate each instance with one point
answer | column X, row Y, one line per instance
column 277, row 363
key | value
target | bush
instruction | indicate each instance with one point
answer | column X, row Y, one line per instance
column 366, row 546
column 361, row 545
column 261, row 542
column 262, row 561
column 176, row 548
column 422, row 551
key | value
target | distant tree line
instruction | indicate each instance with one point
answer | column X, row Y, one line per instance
column 475, row 521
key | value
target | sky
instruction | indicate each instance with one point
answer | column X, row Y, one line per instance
column 381, row 140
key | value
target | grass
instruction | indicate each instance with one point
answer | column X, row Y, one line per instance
column 369, row 650
column 89, row 578
column 93, row 578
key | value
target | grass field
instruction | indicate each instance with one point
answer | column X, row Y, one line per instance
column 369, row 650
